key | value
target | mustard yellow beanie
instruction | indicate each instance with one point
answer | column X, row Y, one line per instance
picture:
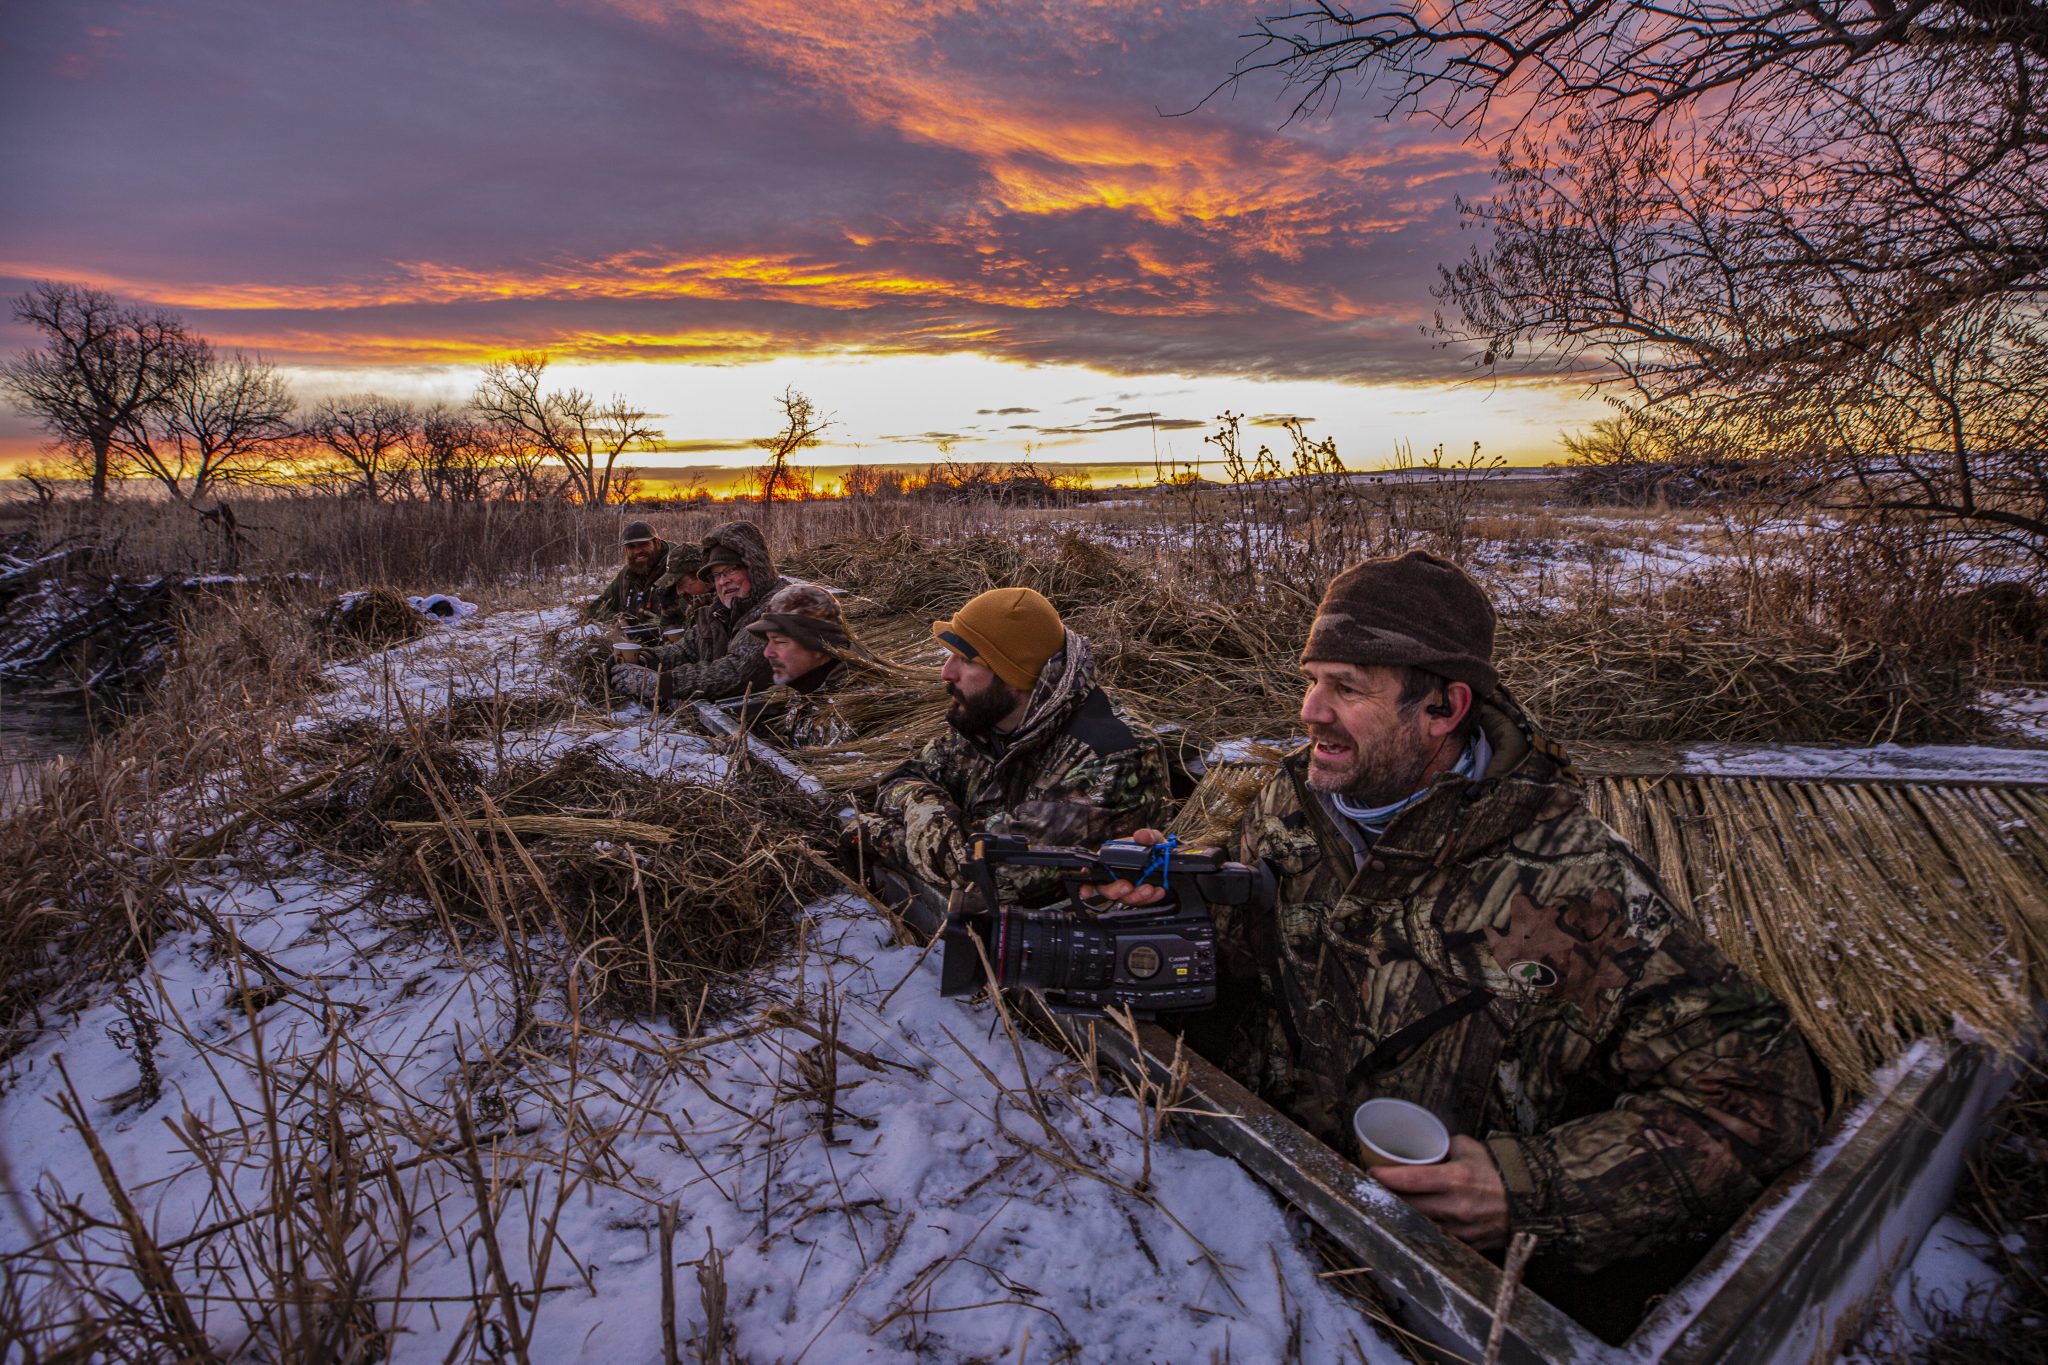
column 1010, row 630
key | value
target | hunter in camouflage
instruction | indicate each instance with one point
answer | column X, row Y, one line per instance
column 811, row 654
column 720, row 657
column 656, row 587
column 1446, row 923
column 1034, row 749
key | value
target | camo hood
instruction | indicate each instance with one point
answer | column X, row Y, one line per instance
column 1064, row 683
column 743, row 540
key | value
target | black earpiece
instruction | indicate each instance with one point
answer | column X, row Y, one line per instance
column 1442, row 706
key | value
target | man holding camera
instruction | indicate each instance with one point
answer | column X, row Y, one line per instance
column 1034, row 749
column 1445, row 922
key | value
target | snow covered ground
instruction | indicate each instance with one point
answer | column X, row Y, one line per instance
column 855, row 1168
column 923, row 1187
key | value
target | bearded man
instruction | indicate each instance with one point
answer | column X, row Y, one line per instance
column 1446, row 923
column 657, row 585
column 1033, row 749
column 719, row 657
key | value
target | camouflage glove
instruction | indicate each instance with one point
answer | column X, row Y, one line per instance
column 635, row 680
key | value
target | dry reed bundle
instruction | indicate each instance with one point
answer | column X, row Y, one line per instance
column 903, row 573
column 664, row 890
column 1643, row 674
column 380, row 776
column 1878, row 913
column 374, row 618
column 1219, row 671
column 484, row 715
column 1209, row 817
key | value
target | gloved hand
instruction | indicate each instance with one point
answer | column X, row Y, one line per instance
column 856, row 849
column 635, row 680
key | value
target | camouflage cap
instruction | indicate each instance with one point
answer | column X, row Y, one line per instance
column 807, row 614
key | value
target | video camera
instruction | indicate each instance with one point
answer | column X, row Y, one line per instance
column 1148, row 958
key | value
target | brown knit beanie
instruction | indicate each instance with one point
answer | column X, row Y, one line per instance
column 1415, row 610
column 1011, row 630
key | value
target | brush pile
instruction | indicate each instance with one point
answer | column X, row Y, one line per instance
column 375, row 618
column 664, row 890
column 1648, row 676
column 492, row 715
column 372, row 776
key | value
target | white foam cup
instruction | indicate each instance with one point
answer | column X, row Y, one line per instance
column 1397, row 1133
column 626, row 651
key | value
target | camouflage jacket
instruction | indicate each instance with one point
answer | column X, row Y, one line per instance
column 1502, row 958
column 721, row 657
column 1077, row 771
column 810, row 717
column 643, row 599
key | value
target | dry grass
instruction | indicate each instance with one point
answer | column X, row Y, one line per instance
column 422, row 547
column 665, row 890
column 86, row 853
column 1877, row 913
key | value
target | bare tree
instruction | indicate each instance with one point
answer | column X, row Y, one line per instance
column 450, row 456
column 585, row 436
column 102, row 366
column 227, row 420
column 369, row 439
column 1821, row 225
column 803, row 428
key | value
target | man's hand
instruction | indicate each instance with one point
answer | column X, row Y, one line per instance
column 1461, row 1194
column 1124, row 892
column 635, row 680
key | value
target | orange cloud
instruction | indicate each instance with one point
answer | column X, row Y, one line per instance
column 886, row 62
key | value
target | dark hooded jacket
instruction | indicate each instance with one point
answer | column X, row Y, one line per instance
column 644, row 600
column 1502, row 958
column 721, row 657
column 1077, row 771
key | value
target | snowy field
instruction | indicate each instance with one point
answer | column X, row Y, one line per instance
column 849, row 1168
column 926, row 1186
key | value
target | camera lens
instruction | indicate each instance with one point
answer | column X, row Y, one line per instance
column 1050, row 951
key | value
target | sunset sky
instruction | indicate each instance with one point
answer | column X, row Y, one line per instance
column 944, row 221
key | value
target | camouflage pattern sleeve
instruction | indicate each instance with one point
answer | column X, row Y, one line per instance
column 1717, row 1096
column 918, row 821
column 1096, row 797
column 605, row 603
column 742, row 667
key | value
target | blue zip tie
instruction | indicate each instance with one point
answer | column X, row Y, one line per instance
column 1161, row 862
